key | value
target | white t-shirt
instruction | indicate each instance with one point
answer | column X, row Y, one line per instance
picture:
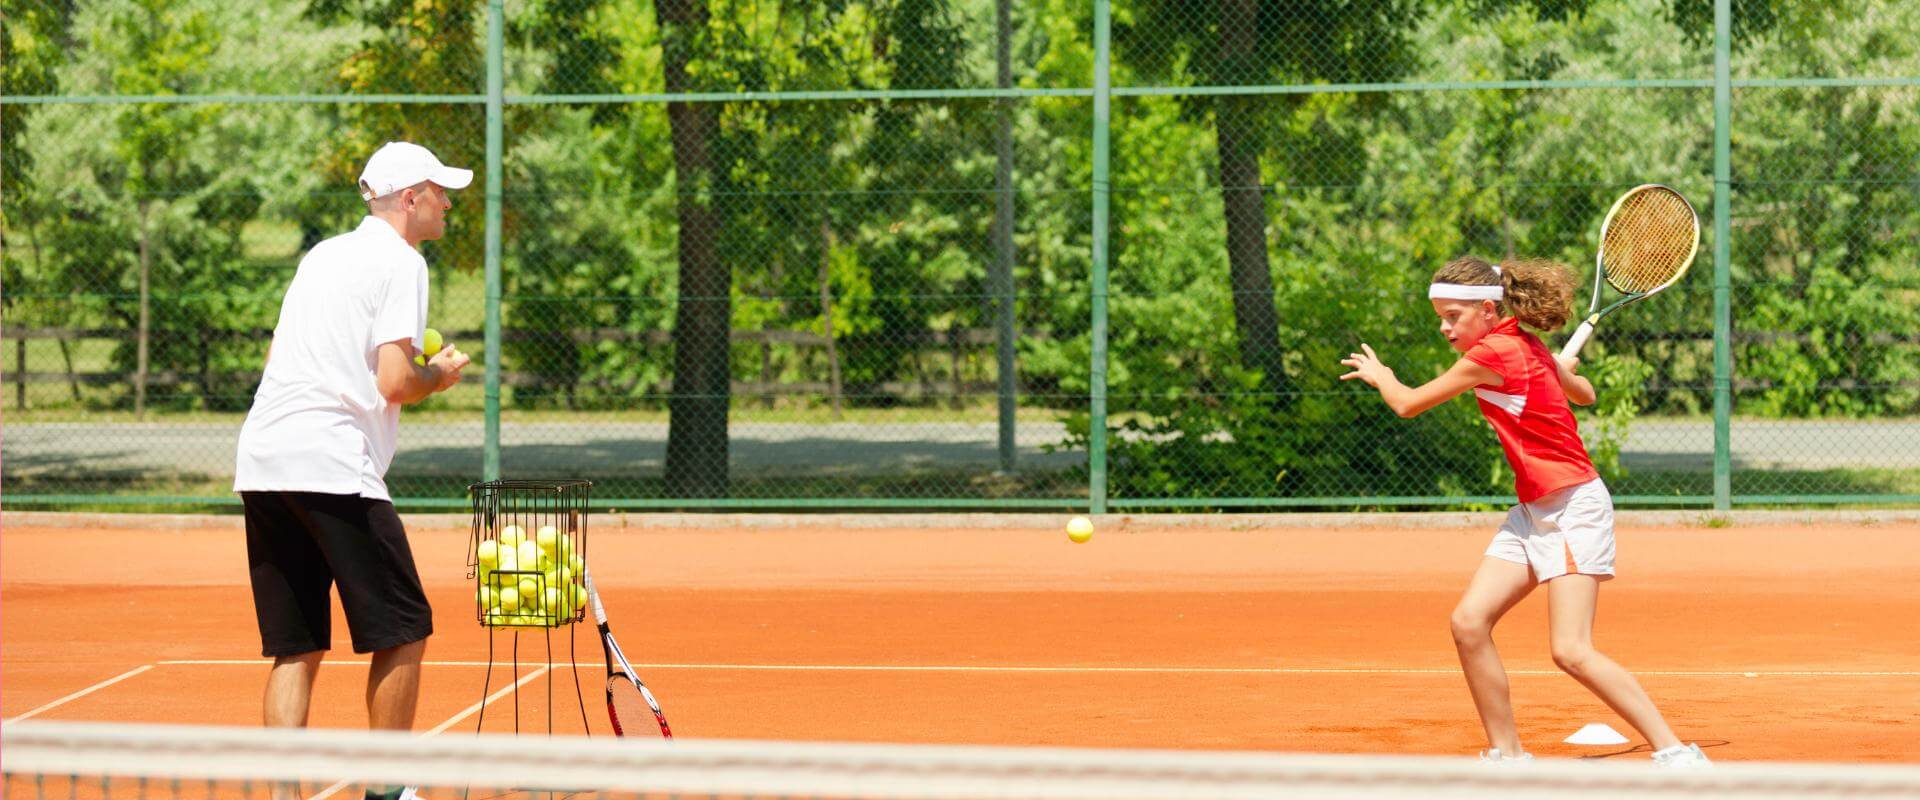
column 319, row 422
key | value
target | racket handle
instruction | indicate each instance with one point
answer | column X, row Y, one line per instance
column 599, row 614
column 1579, row 339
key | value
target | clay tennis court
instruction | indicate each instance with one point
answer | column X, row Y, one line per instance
column 1779, row 640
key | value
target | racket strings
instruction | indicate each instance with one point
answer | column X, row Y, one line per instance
column 1650, row 241
column 628, row 707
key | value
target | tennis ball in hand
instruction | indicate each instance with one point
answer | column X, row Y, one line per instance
column 430, row 345
column 1079, row 529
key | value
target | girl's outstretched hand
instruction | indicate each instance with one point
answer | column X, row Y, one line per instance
column 1367, row 367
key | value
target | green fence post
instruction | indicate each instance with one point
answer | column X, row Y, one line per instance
column 490, row 462
column 1722, row 270
column 1097, row 422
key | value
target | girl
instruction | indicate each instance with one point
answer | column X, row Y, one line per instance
column 1561, row 533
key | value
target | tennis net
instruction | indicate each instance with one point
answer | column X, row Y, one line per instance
column 88, row 761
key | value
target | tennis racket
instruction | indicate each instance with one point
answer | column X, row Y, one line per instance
column 1648, row 240
column 628, row 700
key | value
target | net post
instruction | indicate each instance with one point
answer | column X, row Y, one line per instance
column 496, row 45
column 1097, row 385
column 1722, row 270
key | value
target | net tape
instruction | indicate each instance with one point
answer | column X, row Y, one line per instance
column 159, row 755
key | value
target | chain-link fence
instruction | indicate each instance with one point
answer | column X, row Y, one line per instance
column 968, row 253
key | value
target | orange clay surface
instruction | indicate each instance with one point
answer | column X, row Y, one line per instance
column 1790, row 642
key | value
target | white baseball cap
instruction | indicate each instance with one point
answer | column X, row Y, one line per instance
column 398, row 165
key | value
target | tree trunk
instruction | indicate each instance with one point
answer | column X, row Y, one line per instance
column 1243, row 195
column 1003, row 233
column 826, row 315
column 140, row 344
column 697, row 411
column 20, row 373
column 73, row 380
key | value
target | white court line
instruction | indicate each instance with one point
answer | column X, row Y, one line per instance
column 442, row 727
column 1144, row 670
column 489, row 700
column 84, row 692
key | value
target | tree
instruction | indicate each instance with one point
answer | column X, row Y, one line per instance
column 702, row 374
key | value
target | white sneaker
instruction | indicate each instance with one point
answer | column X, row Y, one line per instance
column 1494, row 756
column 1682, row 756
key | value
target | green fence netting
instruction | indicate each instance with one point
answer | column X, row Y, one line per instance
column 967, row 253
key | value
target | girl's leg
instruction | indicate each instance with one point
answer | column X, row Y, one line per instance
column 1571, row 601
column 1496, row 586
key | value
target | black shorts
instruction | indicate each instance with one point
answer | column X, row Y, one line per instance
column 300, row 543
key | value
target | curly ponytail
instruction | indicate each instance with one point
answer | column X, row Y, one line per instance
column 1538, row 292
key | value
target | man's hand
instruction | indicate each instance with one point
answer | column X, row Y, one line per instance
column 1367, row 367
column 450, row 361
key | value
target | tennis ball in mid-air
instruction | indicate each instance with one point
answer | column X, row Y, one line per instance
column 1079, row 529
column 430, row 345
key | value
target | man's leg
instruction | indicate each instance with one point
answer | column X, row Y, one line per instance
column 290, row 689
column 393, row 688
column 289, row 693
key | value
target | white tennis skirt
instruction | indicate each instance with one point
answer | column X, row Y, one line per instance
column 1564, row 533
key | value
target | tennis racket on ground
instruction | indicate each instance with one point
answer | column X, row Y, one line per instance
column 1648, row 240
column 628, row 700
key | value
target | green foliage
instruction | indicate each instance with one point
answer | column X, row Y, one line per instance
column 884, row 207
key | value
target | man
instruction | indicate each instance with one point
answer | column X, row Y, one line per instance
column 314, row 451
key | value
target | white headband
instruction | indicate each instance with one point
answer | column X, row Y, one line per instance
column 1462, row 291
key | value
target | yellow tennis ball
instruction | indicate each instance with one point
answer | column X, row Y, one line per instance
column 488, row 553
column 553, row 599
column 488, row 597
column 512, row 536
column 548, row 538
column 574, row 563
column 529, row 555
column 1079, row 529
column 509, row 599
column 579, row 595
column 530, row 590
column 430, row 344
column 508, row 558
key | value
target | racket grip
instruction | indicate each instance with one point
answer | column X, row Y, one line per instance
column 1578, row 340
column 593, row 597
